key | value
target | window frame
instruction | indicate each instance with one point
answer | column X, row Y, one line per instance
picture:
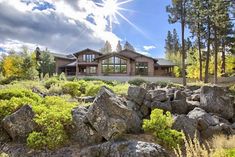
column 111, row 62
column 145, row 66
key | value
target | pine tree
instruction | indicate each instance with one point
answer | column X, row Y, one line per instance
column 175, row 40
column 128, row 46
column 168, row 43
column 107, row 48
column 119, row 47
column 177, row 13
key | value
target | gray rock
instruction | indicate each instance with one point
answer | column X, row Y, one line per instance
column 110, row 117
column 132, row 105
column 195, row 97
column 136, row 94
column 179, row 106
column 211, row 131
column 82, row 131
column 233, row 125
column 145, row 111
column 19, row 124
column 165, row 106
column 188, row 125
column 147, row 103
column 156, row 95
column 198, row 113
column 179, row 95
column 214, row 99
column 4, row 137
column 87, row 99
column 192, row 105
column 125, row 149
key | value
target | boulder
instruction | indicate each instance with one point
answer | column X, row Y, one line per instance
column 211, row 131
column 110, row 117
column 87, row 99
column 195, row 97
column 201, row 115
column 4, row 137
column 179, row 95
column 129, row 148
column 179, row 106
column 156, row 95
column 19, row 124
column 82, row 131
column 188, row 125
column 192, row 105
column 136, row 94
column 214, row 99
column 233, row 125
column 165, row 106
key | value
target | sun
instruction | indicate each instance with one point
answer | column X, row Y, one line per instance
column 112, row 9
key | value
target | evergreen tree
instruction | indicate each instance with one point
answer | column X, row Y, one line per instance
column 46, row 63
column 168, row 43
column 175, row 41
column 119, row 47
column 128, row 46
column 107, row 48
column 177, row 13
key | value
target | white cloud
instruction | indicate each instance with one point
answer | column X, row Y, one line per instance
column 150, row 47
column 64, row 29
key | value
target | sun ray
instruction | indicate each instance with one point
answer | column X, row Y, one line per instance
column 124, row 2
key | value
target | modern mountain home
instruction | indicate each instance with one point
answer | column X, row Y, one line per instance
column 124, row 63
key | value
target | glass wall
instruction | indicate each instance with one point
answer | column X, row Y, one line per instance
column 141, row 68
column 114, row 65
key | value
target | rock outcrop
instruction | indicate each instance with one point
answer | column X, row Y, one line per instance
column 125, row 149
column 19, row 124
column 82, row 131
column 214, row 100
column 110, row 117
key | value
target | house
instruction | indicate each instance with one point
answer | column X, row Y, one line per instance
column 124, row 63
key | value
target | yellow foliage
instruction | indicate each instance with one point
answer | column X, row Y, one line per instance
column 11, row 66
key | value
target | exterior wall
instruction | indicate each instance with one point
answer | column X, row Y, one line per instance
column 144, row 59
column 163, row 71
column 80, row 56
column 61, row 62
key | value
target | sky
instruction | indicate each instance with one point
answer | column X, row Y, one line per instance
column 68, row 26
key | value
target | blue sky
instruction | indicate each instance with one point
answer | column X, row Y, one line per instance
column 69, row 26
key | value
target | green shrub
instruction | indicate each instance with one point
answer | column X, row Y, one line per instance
column 51, row 81
column 160, row 126
column 137, row 82
column 8, row 93
column 93, row 87
column 52, row 116
column 120, row 89
column 7, row 107
column 72, row 88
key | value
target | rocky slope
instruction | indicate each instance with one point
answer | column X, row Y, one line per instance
column 98, row 129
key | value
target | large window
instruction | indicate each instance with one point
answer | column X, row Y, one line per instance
column 88, row 58
column 141, row 68
column 114, row 65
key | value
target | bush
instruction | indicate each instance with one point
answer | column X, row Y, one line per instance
column 51, row 81
column 52, row 116
column 72, row 88
column 160, row 126
column 8, row 93
column 137, row 82
column 7, row 107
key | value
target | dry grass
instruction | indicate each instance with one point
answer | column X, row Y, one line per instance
column 219, row 147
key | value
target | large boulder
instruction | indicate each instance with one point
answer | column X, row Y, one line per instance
column 156, row 95
column 187, row 125
column 110, row 117
column 19, row 124
column 179, row 95
column 136, row 94
column 4, row 137
column 179, row 106
column 165, row 106
column 125, row 149
column 214, row 99
column 81, row 131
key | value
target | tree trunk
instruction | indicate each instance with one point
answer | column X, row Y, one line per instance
column 223, row 58
column 216, row 61
column 208, row 53
column 199, row 52
column 183, row 42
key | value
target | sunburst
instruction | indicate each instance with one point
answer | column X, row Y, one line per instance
column 112, row 9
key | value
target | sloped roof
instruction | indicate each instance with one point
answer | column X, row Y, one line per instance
column 164, row 62
column 139, row 54
column 64, row 56
column 114, row 54
column 77, row 53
